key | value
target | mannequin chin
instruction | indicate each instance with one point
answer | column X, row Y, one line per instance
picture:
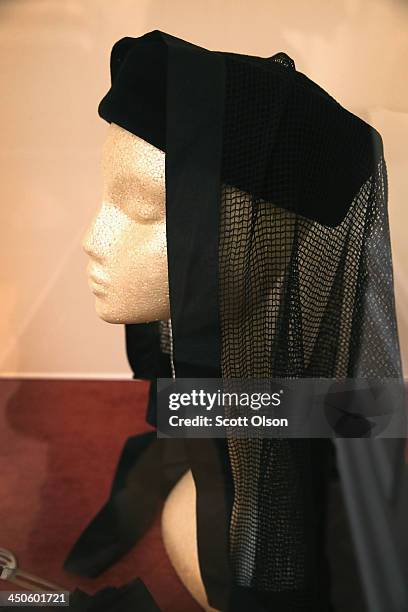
column 126, row 242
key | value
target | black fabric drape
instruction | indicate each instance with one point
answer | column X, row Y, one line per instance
column 280, row 265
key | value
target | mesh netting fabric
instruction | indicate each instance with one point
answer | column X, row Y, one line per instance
column 298, row 298
column 165, row 336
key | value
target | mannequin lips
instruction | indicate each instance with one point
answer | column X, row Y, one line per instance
column 96, row 280
column 96, row 276
column 96, row 288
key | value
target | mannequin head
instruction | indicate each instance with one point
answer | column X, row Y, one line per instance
column 126, row 241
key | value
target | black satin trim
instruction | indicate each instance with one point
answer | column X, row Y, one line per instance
column 147, row 470
column 195, row 105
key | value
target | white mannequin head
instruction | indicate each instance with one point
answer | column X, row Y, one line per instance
column 126, row 241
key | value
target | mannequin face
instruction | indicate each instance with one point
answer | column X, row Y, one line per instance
column 126, row 242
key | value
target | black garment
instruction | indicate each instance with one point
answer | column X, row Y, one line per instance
column 279, row 265
column 147, row 470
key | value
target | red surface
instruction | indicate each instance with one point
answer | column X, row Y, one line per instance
column 59, row 445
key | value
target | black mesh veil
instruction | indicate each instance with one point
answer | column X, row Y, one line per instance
column 279, row 266
column 298, row 298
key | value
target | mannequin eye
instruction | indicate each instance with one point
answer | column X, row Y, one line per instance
column 144, row 211
column 142, row 201
column 140, row 211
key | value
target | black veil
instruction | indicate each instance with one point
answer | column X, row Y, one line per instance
column 280, row 265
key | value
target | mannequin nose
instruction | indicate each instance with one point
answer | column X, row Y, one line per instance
column 91, row 241
column 88, row 242
column 103, row 235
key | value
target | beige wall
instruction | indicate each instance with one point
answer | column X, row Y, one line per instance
column 54, row 58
